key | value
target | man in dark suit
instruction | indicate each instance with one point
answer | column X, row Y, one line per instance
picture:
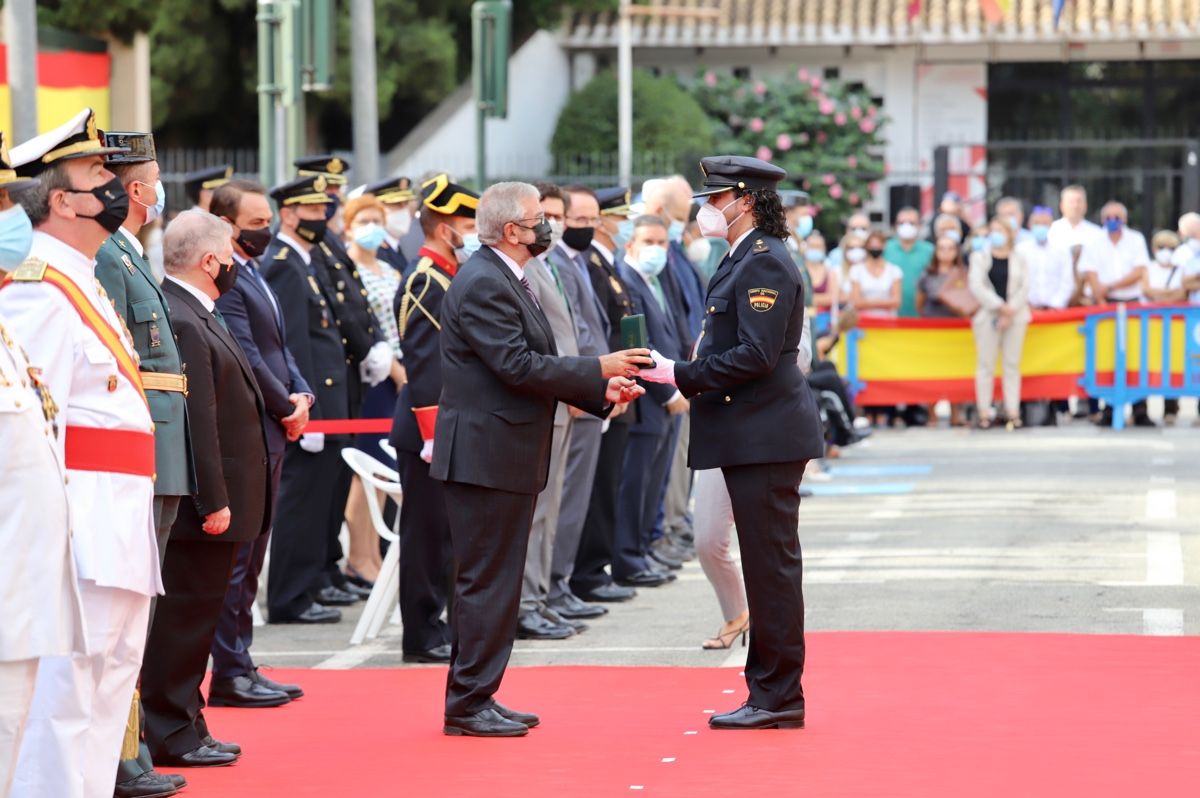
column 648, row 453
column 426, row 562
column 755, row 418
column 233, row 493
column 252, row 312
column 500, row 384
column 311, row 506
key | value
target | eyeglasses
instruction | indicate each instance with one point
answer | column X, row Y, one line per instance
column 584, row 221
column 539, row 219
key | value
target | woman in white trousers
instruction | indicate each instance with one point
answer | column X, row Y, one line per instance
column 998, row 279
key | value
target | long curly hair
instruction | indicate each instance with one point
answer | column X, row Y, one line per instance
column 768, row 211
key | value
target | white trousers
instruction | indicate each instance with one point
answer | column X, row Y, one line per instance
column 81, row 702
column 16, row 694
column 1008, row 343
column 713, row 528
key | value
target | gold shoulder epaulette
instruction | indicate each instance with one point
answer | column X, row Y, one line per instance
column 427, row 267
column 281, row 254
column 31, row 270
column 759, row 246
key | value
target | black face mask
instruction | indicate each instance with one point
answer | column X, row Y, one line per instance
column 226, row 276
column 311, row 230
column 116, row 204
column 578, row 238
column 254, row 242
column 544, row 237
column 875, row 253
column 331, row 209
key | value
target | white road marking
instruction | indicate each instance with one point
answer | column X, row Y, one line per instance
column 668, row 759
column 1162, row 621
column 1160, row 504
column 1164, row 558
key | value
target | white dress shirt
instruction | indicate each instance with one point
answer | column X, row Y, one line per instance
column 303, row 250
column 1189, row 260
column 510, row 263
column 1115, row 261
column 204, row 299
column 1051, row 277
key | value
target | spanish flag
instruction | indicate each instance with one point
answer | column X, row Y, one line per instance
column 67, row 81
column 994, row 11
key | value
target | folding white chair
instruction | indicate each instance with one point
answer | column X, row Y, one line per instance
column 385, row 595
column 390, row 451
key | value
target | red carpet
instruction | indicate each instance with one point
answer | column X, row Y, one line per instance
column 890, row 714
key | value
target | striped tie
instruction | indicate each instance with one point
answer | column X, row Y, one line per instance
column 529, row 290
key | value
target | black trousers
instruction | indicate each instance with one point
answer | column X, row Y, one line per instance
column 490, row 532
column 195, row 578
column 235, row 626
column 308, row 494
column 596, row 542
column 643, row 473
column 426, row 559
column 766, row 510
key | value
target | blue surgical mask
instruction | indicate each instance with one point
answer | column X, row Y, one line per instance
column 651, row 260
column 953, row 235
column 1041, row 233
column 624, row 233
column 1113, row 225
column 471, row 243
column 814, row 255
column 16, row 235
column 804, row 226
column 155, row 211
column 979, row 243
column 675, row 231
column 369, row 236
column 1012, row 223
column 997, row 239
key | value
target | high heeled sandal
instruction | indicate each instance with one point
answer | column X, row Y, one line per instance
column 719, row 642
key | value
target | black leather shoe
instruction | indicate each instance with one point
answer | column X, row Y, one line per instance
column 358, row 591
column 179, row 782
column 243, row 692
column 570, row 606
column 553, row 617
column 748, row 717
column 147, row 785
column 438, row 654
column 644, row 579
column 336, row 597
column 528, row 719
column 314, row 614
column 532, row 626
column 202, row 757
column 292, row 691
column 224, row 748
column 610, row 592
column 659, row 555
column 487, row 723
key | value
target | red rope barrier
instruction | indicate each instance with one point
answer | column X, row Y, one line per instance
column 350, row 426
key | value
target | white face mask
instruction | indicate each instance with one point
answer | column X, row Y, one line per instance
column 1163, row 256
column 397, row 223
column 907, row 231
column 712, row 221
column 856, row 254
column 699, row 251
column 556, row 232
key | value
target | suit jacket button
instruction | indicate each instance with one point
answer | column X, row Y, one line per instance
column 344, row 341
column 154, row 314
column 728, row 399
column 329, row 381
column 712, row 308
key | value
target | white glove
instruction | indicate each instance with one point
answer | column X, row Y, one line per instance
column 313, row 442
column 663, row 371
column 427, row 451
column 377, row 365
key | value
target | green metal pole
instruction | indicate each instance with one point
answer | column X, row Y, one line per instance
column 292, row 82
column 268, row 91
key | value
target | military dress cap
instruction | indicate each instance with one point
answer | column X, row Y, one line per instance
column 331, row 167
column 740, row 172
column 77, row 138
column 614, row 201
column 308, row 190
column 139, row 147
column 795, row 198
column 439, row 194
column 392, row 190
column 209, row 177
column 8, row 176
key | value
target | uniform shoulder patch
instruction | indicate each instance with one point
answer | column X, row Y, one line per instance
column 760, row 246
column 31, row 270
column 128, row 264
column 762, row 299
column 616, row 285
column 281, row 254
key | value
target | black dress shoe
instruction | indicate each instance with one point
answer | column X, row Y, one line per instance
column 147, row 785
column 528, row 719
column 178, row 781
column 532, row 626
column 609, row 592
column 748, row 717
column 202, row 757
column 331, row 596
column 292, row 691
column 553, row 617
column 358, row 591
column 437, row 654
column 658, row 555
column 570, row 606
column 243, row 692
column 486, row 723
column 314, row 614
column 644, row 579
column 224, row 748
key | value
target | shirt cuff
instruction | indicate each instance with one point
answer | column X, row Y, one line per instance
column 674, row 397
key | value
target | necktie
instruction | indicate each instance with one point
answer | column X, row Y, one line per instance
column 656, row 285
column 561, row 290
column 529, row 290
column 220, row 319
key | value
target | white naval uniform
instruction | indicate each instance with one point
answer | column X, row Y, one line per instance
column 39, row 597
column 81, row 703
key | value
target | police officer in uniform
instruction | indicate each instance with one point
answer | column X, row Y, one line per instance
column 399, row 201
column 122, row 269
column 448, row 213
column 754, row 417
column 308, row 514
column 201, row 184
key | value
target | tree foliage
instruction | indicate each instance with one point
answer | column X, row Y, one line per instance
column 824, row 133
column 666, row 120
